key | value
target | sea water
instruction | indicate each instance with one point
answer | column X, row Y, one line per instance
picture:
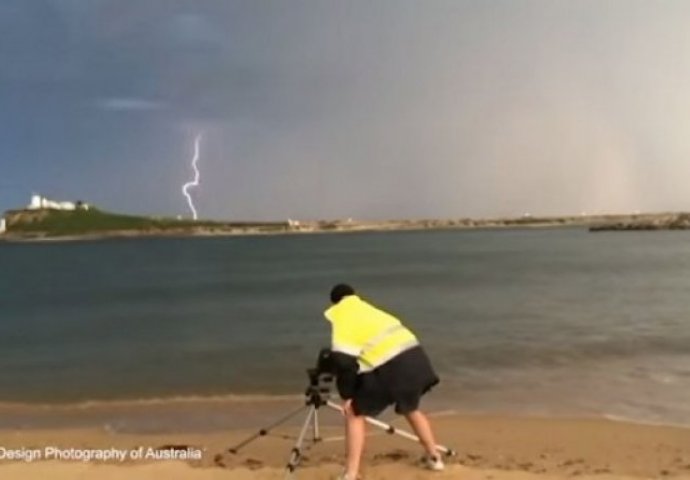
column 555, row 321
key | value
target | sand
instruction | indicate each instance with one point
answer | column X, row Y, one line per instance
column 490, row 447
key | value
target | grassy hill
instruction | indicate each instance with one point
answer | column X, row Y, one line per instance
column 57, row 223
column 48, row 224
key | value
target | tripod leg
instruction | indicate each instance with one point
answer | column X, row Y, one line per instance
column 316, row 432
column 296, row 454
column 394, row 431
column 265, row 430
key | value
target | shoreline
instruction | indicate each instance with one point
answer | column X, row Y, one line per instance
column 215, row 413
column 489, row 446
column 16, row 238
column 592, row 223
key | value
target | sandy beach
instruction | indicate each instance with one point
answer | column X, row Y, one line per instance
column 489, row 447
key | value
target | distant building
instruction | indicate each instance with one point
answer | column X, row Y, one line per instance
column 39, row 202
column 293, row 223
column 3, row 226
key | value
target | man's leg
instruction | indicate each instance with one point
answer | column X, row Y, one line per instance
column 356, row 434
column 421, row 426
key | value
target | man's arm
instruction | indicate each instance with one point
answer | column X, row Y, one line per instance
column 345, row 350
column 346, row 368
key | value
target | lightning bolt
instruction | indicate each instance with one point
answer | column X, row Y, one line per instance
column 195, row 182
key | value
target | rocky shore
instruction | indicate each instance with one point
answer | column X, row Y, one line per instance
column 667, row 221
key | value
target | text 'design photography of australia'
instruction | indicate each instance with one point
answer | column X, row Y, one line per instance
column 344, row 240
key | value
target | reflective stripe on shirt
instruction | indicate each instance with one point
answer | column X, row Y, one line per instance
column 365, row 366
column 347, row 349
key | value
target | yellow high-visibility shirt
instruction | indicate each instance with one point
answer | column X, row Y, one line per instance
column 368, row 333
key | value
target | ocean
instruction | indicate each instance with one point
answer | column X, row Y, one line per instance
column 543, row 322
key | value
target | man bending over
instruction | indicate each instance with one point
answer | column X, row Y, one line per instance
column 379, row 362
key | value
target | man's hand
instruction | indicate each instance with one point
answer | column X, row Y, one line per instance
column 348, row 411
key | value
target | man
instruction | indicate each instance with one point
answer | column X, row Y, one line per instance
column 379, row 362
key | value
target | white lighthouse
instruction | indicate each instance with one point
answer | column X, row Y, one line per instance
column 36, row 202
column 39, row 202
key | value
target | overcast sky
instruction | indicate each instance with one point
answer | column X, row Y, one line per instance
column 365, row 109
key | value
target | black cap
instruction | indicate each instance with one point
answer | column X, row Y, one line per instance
column 339, row 291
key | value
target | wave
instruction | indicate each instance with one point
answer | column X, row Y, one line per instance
column 640, row 420
column 151, row 402
column 514, row 355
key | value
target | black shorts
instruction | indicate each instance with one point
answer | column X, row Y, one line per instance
column 402, row 381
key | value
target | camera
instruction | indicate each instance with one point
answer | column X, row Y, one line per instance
column 321, row 379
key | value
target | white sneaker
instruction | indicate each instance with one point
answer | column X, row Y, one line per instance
column 434, row 463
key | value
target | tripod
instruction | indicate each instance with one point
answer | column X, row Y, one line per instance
column 316, row 396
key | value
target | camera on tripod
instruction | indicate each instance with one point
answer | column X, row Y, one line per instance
column 320, row 379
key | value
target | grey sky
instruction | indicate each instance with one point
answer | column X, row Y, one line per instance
column 336, row 109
